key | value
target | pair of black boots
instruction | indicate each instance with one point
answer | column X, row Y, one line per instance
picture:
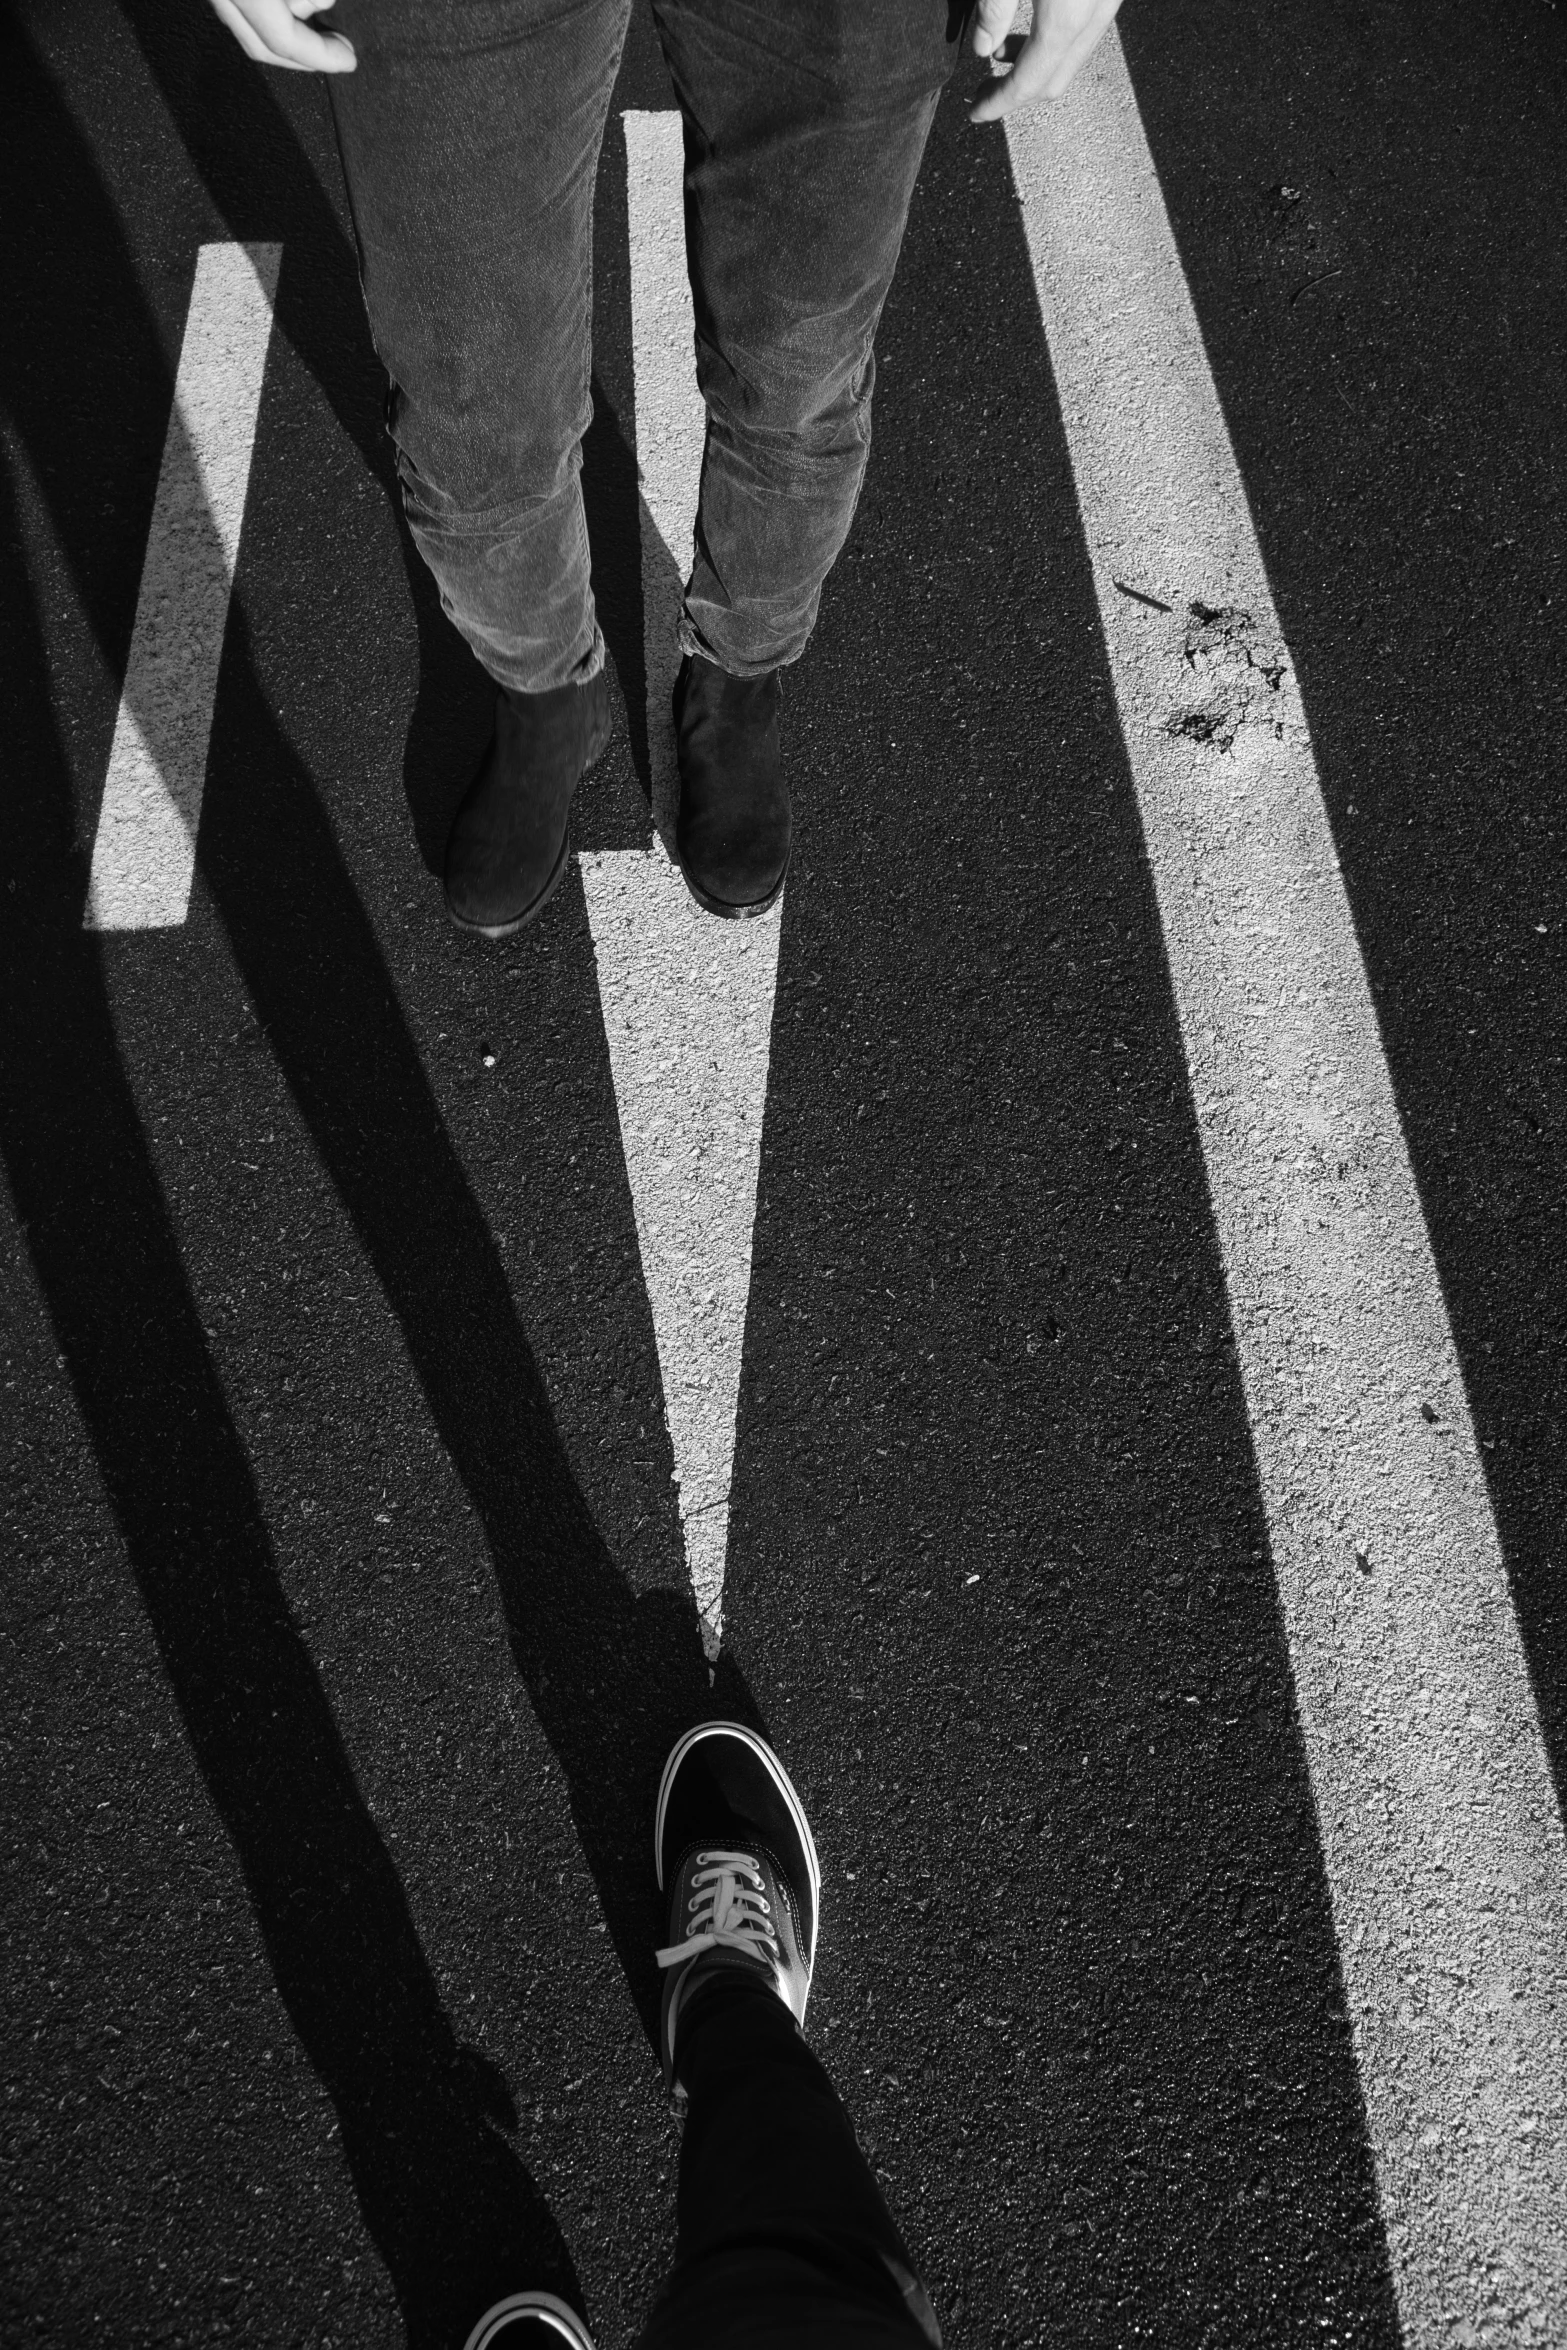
column 508, row 844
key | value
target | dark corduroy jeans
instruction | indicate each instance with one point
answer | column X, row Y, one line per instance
column 470, row 137
column 784, row 2242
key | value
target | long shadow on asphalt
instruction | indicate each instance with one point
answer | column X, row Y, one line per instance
column 448, row 2203
column 321, row 989
column 445, row 2199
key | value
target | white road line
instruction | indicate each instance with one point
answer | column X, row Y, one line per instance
column 687, row 1000
column 671, row 419
column 688, row 1011
column 145, row 851
column 1438, row 1822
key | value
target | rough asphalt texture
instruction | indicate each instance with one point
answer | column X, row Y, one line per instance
column 345, row 1615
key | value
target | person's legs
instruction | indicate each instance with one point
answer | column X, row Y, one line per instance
column 783, row 2236
column 805, row 127
column 784, row 2242
column 470, row 139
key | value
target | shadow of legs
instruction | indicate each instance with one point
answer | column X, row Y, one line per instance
column 613, row 1678
column 448, row 2204
column 446, row 2201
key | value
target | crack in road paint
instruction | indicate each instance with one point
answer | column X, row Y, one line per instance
column 1241, row 665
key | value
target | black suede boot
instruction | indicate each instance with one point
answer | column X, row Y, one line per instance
column 507, row 849
column 735, row 825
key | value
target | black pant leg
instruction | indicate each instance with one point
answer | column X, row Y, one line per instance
column 804, row 130
column 784, row 2238
column 470, row 139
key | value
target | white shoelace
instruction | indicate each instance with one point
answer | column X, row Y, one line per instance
column 728, row 1910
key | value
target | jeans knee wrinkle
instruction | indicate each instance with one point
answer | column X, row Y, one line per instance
column 749, row 399
column 766, row 463
column 476, row 458
column 472, row 513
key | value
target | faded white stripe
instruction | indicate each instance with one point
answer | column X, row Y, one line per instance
column 1438, row 1822
column 145, row 850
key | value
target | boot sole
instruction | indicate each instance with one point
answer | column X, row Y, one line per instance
column 529, row 913
column 550, row 2312
column 516, row 922
column 730, row 913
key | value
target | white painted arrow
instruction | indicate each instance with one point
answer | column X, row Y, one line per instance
column 687, row 1000
column 688, row 1010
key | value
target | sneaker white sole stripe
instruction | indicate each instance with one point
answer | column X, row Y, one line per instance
column 556, row 2314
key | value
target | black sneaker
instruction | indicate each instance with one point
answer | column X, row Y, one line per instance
column 529, row 2321
column 734, row 1853
column 508, row 844
column 735, row 826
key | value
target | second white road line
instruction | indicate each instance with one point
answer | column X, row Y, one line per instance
column 144, row 852
column 687, row 1000
column 1438, row 1822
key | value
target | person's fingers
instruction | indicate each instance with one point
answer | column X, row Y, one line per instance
column 992, row 23
column 1063, row 38
column 268, row 31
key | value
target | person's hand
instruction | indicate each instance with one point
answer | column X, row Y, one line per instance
column 279, row 32
column 1039, row 63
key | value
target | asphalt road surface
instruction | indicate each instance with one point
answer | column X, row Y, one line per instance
column 1141, row 1536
